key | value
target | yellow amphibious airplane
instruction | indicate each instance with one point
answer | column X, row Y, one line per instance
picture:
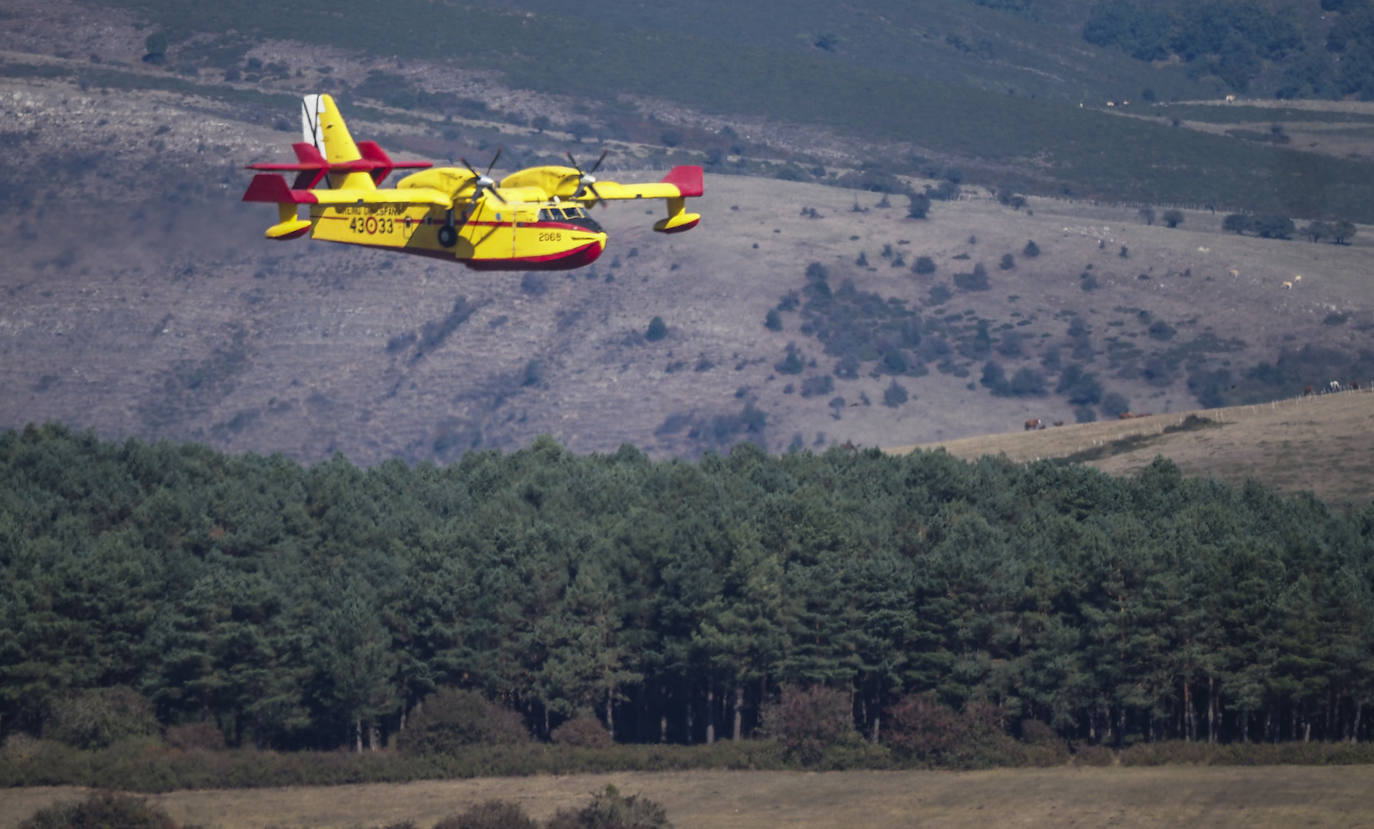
column 534, row 219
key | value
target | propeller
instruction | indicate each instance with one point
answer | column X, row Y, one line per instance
column 585, row 180
column 483, row 181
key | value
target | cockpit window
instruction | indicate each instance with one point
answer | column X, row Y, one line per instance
column 570, row 212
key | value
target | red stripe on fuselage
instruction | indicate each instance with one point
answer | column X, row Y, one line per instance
column 565, row 261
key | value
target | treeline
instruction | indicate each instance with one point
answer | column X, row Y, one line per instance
column 1241, row 41
column 318, row 607
column 1338, row 232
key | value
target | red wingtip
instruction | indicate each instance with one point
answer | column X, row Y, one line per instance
column 688, row 179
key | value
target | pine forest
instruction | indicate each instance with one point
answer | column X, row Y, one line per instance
column 319, row 607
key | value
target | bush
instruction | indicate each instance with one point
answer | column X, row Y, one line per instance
column 1010, row 198
column 610, row 810
column 924, row 265
column 772, row 320
column 817, row 385
column 1094, row 755
column 99, row 717
column 1273, row 227
column 101, row 810
column 1031, row 250
column 1115, row 404
column 1237, row 223
column 923, row 730
column 809, row 721
column 895, row 395
column 792, row 363
column 452, row 719
column 657, row 330
column 1173, row 218
column 976, row 281
column 919, row 207
column 1027, row 382
column 201, row 735
column 584, row 732
column 493, row 814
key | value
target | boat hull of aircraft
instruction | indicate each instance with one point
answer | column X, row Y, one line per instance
column 497, row 241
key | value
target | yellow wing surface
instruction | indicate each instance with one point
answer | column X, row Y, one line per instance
column 534, row 218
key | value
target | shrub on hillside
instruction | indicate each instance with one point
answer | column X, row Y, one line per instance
column 1238, row 223
column 976, row 281
column 657, row 330
column 919, row 207
column 492, row 814
column 452, row 718
column 817, row 385
column 895, row 395
column 98, row 811
column 927, row 732
column 584, row 732
column 202, row 735
column 808, row 721
column 99, row 717
column 1093, row 755
column 1043, row 747
column 611, row 810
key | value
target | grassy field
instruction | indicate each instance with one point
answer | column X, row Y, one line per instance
column 1322, row 444
column 1164, row 796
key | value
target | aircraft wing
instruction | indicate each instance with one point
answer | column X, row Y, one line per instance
column 681, row 182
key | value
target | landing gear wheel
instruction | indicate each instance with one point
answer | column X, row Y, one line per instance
column 448, row 236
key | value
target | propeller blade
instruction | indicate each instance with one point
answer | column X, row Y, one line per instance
column 597, row 165
column 483, row 181
column 585, row 180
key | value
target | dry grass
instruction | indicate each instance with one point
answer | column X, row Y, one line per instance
column 1322, row 444
column 1168, row 796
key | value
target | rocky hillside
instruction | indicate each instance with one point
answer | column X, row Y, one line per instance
column 141, row 298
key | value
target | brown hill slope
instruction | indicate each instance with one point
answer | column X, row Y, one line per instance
column 141, row 300
column 1323, row 444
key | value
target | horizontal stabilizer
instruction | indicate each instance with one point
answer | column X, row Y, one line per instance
column 312, row 166
column 271, row 188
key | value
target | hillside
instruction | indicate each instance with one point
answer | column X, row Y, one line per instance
column 1321, row 444
column 162, row 313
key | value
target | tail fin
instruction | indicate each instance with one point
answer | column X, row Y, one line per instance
column 324, row 128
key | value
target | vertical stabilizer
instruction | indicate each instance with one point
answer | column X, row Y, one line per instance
column 323, row 127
